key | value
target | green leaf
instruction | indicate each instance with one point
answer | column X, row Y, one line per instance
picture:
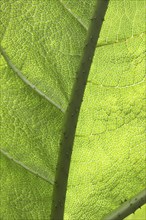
column 42, row 49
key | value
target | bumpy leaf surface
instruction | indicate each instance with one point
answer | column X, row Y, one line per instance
column 42, row 45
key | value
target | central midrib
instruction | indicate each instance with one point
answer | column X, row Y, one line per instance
column 72, row 113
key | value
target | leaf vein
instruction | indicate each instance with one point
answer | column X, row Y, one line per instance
column 73, row 15
column 119, row 41
column 26, row 167
column 26, row 81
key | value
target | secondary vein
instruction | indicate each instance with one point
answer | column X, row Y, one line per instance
column 26, row 81
column 128, row 207
column 73, row 15
column 108, row 43
column 26, row 167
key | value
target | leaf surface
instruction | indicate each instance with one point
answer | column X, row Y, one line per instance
column 43, row 45
column 107, row 164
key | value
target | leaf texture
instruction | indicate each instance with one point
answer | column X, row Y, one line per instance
column 42, row 45
column 107, row 164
